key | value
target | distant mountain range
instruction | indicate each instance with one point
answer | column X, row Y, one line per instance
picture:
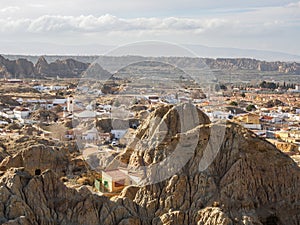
column 217, row 52
column 75, row 66
column 151, row 48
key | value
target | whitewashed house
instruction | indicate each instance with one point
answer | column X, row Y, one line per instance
column 21, row 112
column 85, row 115
column 90, row 135
column 118, row 134
column 57, row 88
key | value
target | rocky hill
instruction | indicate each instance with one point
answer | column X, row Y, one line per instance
column 253, row 64
column 16, row 68
column 62, row 68
column 22, row 68
column 248, row 181
column 244, row 181
column 75, row 66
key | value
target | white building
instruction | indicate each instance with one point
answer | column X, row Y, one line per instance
column 85, row 115
column 118, row 134
column 107, row 107
column 70, row 104
column 56, row 88
column 252, row 126
column 21, row 113
column 40, row 88
column 219, row 115
column 59, row 101
column 90, row 135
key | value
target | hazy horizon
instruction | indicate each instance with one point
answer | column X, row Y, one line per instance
column 153, row 49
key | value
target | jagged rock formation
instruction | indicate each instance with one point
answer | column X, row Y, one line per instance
column 248, row 180
column 95, row 71
column 16, row 68
column 74, row 68
column 63, row 68
column 37, row 158
column 22, row 68
column 43, row 200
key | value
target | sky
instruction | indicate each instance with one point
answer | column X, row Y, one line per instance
column 84, row 26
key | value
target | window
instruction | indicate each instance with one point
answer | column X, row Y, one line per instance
column 120, row 183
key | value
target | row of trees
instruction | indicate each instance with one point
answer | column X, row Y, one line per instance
column 249, row 108
column 263, row 84
column 272, row 85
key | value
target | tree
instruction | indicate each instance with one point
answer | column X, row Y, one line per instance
column 250, row 107
column 269, row 85
column 233, row 103
column 117, row 103
column 263, row 84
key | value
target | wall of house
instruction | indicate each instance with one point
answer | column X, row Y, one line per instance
column 118, row 133
column 109, row 181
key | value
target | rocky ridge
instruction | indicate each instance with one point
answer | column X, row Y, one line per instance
column 248, row 181
column 23, row 68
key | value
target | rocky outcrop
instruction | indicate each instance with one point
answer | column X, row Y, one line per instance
column 62, row 68
column 248, row 181
column 43, row 115
column 95, row 71
column 41, row 66
column 22, row 68
column 73, row 68
column 44, row 199
column 36, row 159
column 16, row 68
column 241, row 180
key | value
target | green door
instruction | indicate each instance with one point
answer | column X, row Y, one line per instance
column 105, row 184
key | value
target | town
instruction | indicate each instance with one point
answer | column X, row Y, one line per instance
column 60, row 109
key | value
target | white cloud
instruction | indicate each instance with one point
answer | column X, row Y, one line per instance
column 294, row 5
column 106, row 23
column 10, row 9
column 275, row 25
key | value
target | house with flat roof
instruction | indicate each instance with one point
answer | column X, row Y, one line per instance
column 87, row 114
column 21, row 112
column 115, row 180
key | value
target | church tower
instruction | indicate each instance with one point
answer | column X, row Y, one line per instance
column 70, row 104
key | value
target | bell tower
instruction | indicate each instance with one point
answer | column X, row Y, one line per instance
column 70, row 104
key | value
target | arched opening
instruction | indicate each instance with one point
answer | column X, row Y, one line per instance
column 37, row 172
